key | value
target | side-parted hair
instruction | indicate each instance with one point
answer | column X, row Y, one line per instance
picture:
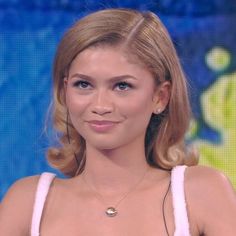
column 143, row 37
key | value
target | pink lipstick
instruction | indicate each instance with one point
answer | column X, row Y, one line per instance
column 101, row 126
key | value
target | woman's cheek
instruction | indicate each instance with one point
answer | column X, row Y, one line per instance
column 76, row 103
column 138, row 106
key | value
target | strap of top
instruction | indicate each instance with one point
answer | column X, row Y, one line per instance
column 177, row 189
column 179, row 202
column 44, row 183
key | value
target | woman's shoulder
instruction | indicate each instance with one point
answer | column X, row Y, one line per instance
column 17, row 206
column 22, row 189
column 209, row 193
column 207, row 181
column 206, row 177
column 25, row 183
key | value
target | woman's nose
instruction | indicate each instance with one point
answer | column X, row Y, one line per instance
column 102, row 103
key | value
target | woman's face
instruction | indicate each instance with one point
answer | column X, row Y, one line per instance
column 110, row 100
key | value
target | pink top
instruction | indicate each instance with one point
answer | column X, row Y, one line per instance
column 177, row 189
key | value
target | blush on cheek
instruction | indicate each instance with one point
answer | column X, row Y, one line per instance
column 139, row 106
column 76, row 104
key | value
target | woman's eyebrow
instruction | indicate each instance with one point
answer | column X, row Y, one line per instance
column 115, row 78
column 121, row 77
column 81, row 76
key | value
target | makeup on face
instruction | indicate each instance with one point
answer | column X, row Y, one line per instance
column 110, row 100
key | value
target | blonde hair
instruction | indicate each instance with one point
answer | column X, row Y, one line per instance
column 144, row 37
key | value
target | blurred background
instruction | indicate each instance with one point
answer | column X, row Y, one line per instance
column 204, row 33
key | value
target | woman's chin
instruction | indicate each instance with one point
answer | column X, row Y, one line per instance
column 104, row 145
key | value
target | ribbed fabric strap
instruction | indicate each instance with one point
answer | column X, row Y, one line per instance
column 44, row 183
column 179, row 202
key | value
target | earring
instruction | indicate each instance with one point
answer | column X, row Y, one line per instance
column 157, row 111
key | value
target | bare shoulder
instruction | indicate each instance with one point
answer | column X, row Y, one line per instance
column 211, row 198
column 209, row 181
column 17, row 206
column 21, row 190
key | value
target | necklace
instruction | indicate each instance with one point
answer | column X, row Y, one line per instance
column 112, row 211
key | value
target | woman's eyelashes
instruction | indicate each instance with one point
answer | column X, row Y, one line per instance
column 120, row 86
column 82, row 84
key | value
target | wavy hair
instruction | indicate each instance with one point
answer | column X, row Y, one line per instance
column 142, row 36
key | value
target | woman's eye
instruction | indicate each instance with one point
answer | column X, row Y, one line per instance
column 123, row 86
column 82, row 84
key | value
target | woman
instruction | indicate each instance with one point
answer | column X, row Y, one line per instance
column 122, row 110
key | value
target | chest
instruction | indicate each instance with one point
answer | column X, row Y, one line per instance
column 136, row 216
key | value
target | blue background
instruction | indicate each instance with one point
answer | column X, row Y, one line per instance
column 29, row 33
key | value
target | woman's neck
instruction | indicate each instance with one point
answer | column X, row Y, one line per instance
column 114, row 171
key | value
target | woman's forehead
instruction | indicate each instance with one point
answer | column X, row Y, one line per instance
column 110, row 55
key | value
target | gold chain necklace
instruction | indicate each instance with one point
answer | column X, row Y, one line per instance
column 112, row 211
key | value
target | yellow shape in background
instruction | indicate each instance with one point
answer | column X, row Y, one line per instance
column 218, row 59
column 219, row 110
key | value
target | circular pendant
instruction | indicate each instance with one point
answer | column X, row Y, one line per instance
column 111, row 211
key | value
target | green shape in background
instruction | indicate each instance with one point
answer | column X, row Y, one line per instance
column 218, row 106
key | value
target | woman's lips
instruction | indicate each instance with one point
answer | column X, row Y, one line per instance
column 102, row 126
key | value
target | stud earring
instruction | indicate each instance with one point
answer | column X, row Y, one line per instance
column 157, row 111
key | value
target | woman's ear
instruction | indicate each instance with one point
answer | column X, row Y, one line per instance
column 65, row 80
column 161, row 97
